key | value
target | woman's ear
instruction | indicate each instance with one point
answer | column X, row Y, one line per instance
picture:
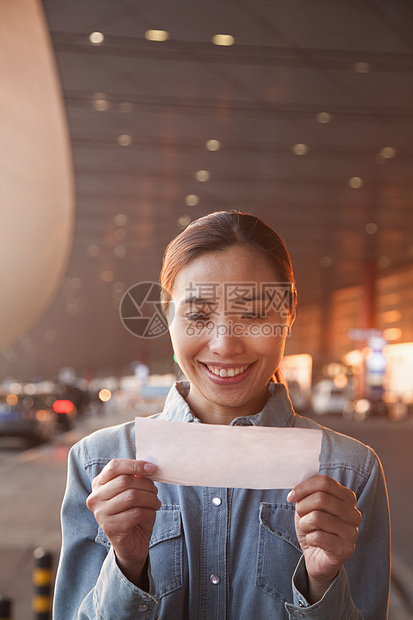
column 292, row 319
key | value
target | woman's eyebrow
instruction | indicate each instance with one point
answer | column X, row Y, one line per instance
column 253, row 297
column 191, row 299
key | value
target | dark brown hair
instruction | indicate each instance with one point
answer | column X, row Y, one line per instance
column 218, row 231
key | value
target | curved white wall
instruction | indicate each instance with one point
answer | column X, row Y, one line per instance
column 36, row 177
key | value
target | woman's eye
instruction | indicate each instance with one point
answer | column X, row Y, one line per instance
column 255, row 315
column 196, row 316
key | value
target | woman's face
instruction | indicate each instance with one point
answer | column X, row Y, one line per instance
column 231, row 318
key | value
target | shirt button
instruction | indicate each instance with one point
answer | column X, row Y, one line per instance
column 217, row 501
column 146, row 598
column 143, row 607
column 214, row 579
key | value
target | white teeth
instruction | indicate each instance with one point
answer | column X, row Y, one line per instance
column 227, row 372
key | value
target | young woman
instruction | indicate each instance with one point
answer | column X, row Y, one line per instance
column 135, row 549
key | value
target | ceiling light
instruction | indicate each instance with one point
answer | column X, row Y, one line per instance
column 223, row 39
column 300, row 149
column 120, row 250
column 213, row 145
column 362, row 67
column 121, row 220
column 202, row 175
column 388, row 152
column 324, row 117
column 96, row 38
column 184, row 220
column 191, row 200
column 156, row 35
column 355, row 182
column 101, row 105
column 371, row 228
column 124, row 140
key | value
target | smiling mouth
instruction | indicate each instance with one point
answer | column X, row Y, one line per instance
column 227, row 372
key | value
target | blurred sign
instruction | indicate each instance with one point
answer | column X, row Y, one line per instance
column 376, row 367
column 364, row 334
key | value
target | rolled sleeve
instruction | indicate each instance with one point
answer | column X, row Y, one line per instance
column 116, row 598
column 336, row 602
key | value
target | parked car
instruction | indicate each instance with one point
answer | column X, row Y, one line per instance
column 26, row 417
column 327, row 398
column 65, row 411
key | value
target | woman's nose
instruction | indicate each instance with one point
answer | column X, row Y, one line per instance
column 226, row 340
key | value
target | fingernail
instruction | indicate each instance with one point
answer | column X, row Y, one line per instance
column 291, row 496
column 149, row 468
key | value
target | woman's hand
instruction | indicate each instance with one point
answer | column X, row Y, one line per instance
column 326, row 523
column 124, row 503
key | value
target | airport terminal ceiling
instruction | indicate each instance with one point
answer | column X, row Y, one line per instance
column 301, row 114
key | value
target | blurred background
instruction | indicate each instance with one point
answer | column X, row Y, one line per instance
column 123, row 121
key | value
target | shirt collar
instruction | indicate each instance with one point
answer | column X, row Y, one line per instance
column 278, row 410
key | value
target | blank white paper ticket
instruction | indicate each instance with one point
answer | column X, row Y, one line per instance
column 213, row 455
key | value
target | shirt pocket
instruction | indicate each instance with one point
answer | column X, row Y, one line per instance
column 165, row 550
column 278, row 550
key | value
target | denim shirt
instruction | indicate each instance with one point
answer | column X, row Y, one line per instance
column 221, row 553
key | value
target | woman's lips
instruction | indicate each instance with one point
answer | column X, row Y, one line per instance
column 227, row 374
column 232, row 371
